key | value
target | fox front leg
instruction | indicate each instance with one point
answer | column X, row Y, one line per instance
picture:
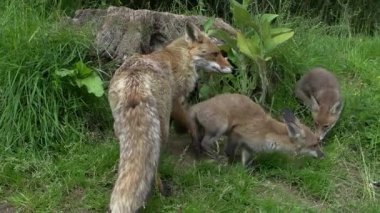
column 230, row 149
column 246, row 157
column 207, row 142
column 303, row 97
column 181, row 116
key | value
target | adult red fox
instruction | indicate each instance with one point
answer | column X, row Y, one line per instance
column 247, row 125
column 143, row 93
column 319, row 89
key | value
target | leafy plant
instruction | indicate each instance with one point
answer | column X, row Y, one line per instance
column 80, row 76
column 255, row 41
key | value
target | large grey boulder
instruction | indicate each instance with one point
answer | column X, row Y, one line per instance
column 121, row 31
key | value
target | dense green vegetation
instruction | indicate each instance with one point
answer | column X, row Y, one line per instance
column 58, row 152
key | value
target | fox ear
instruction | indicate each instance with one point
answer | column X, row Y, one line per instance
column 337, row 107
column 193, row 33
column 216, row 41
column 292, row 124
column 294, row 131
column 314, row 104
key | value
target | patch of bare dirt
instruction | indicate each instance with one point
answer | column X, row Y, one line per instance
column 73, row 200
column 180, row 145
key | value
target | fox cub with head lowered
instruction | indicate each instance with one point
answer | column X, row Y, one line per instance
column 248, row 126
column 144, row 92
column 319, row 89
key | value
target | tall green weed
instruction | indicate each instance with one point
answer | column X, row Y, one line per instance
column 34, row 44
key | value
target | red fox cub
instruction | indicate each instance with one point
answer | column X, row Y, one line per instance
column 319, row 89
column 248, row 126
column 143, row 93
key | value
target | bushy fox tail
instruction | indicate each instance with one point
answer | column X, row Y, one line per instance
column 137, row 126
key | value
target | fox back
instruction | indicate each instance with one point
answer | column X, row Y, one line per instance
column 319, row 89
column 142, row 95
column 247, row 125
column 222, row 112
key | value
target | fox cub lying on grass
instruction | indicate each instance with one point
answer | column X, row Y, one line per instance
column 248, row 126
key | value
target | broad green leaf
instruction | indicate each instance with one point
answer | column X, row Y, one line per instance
column 83, row 70
column 93, row 84
column 265, row 31
column 246, row 3
column 65, row 72
column 248, row 46
column 277, row 40
column 241, row 16
column 266, row 17
column 276, row 31
column 255, row 25
column 268, row 58
column 233, row 55
column 224, row 36
column 242, row 44
column 208, row 24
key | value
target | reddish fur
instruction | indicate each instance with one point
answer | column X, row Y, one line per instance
column 143, row 93
column 247, row 125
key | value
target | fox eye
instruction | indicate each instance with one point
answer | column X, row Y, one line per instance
column 215, row 54
column 325, row 126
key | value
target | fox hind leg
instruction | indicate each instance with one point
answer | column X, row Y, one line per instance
column 208, row 140
column 246, row 157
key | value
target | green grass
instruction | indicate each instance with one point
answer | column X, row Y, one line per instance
column 39, row 110
column 57, row 151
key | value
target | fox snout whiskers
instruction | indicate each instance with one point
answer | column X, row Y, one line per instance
column 227, row 70
column 211, row 66
column 315, row 153
column 215, row 66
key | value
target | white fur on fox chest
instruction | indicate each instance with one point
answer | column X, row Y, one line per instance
column 185, row 81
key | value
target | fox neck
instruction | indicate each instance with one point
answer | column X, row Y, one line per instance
column 181, row 60
column 182, row 65
column 277, row 137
